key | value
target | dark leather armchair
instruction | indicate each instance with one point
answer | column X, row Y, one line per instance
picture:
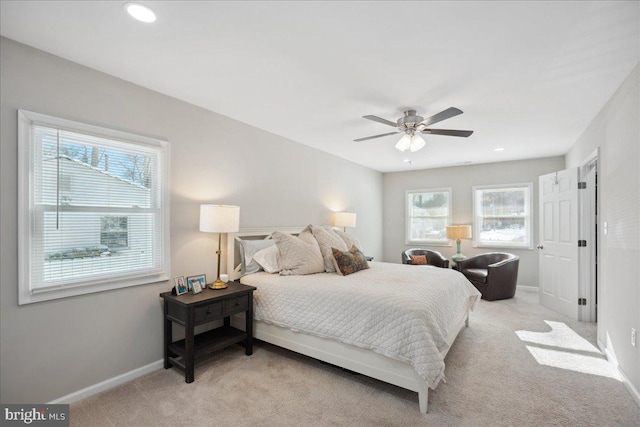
column 495, row 274
column 434, row 258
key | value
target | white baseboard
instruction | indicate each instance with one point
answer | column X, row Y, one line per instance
column 614, row 361
column 110, row 383
column 630, row 388
column 527, row 288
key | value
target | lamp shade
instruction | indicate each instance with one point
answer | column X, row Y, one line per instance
column 344, row 219
column 457, row 232
column 404, row 143
column 219, row 218
column 416, row 143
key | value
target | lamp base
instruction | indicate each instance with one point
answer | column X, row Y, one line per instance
column 458, row 257
column 218, row 284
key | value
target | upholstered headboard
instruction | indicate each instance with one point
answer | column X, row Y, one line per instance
column 233, row 247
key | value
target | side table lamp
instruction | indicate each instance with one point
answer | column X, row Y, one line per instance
column 457, row 232
column 219, row 219
column 344, row 220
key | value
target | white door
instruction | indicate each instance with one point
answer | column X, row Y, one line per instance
column 558, row 242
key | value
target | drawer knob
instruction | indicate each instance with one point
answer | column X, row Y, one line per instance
column 208, row 310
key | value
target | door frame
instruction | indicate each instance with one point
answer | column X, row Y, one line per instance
column 589, row 206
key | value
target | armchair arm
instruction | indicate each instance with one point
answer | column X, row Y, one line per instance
column 504, row 261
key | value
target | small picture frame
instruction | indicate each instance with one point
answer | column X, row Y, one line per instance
column 200, row 279
column 197, row 288
column 180, row 285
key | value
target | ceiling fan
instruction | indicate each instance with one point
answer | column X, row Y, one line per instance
column 412, row 124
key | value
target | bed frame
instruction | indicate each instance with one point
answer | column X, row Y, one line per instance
column 362, row 361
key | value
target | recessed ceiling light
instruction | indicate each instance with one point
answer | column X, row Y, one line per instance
column 140, row 12
column 498, row 149
column 408, row 161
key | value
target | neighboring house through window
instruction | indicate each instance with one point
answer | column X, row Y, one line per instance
column 502, row 216
column 428, row 214
column 93, row 208
column 114, row 232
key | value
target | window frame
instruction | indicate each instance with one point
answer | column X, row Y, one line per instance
column 408, row 217
column 528, row 217
column 26, row 295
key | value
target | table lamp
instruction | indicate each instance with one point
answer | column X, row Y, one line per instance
column 219, row 219
column 457, row 232
column 344, row 220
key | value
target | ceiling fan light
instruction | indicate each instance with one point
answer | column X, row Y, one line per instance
column 416, row 143
column 404, row 143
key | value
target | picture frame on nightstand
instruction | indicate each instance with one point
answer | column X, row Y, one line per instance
column 200, row 279
column 181, row 287
column 197, row 288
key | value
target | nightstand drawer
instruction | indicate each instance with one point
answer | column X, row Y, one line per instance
column 235, row 305
column 208, row 312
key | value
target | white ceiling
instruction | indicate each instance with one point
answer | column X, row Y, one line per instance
column 529, row 76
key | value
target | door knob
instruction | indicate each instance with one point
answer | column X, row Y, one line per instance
column 540, row 247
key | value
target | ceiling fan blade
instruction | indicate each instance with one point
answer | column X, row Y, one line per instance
column 375, row 136
column 381, row 120
column 448, row 132
column 442, row 115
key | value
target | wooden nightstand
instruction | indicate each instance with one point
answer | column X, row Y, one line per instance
column 190, row 310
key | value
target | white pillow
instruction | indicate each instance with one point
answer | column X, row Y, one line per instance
column 349, row 239
column 248, row 249
column 327, row 239
column 298, row 255
column 268, row 259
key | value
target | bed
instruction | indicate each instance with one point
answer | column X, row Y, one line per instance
column 391, row 322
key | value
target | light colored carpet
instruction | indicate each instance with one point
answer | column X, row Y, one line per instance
column 493, row 379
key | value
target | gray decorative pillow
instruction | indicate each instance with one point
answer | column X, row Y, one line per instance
column 349, row 240
column 298, row 255
column 328, row 239
column 248, row 249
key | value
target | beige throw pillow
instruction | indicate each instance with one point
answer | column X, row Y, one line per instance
column 328, row 239
column 349, row 240
column 298, row 255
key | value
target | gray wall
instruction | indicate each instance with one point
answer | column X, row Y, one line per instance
column 461, row 179
column 54, row 348
column 616, row 131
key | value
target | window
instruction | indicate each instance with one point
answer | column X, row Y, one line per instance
column 93, row 208
column 428, row 214
column 502, row 216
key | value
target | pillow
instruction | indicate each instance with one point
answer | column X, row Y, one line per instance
column 298, row 255
column 419, row 259
column 349, row 262
column 327, row 240
column 268, row 259
column 349, row 240
column 248, row 249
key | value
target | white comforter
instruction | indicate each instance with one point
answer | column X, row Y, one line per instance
column 404, row 312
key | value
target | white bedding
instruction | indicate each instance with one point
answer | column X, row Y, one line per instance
column 404, row 312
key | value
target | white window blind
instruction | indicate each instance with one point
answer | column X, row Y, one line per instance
column 428, row 214
column 94, row 210
column 502, row 216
